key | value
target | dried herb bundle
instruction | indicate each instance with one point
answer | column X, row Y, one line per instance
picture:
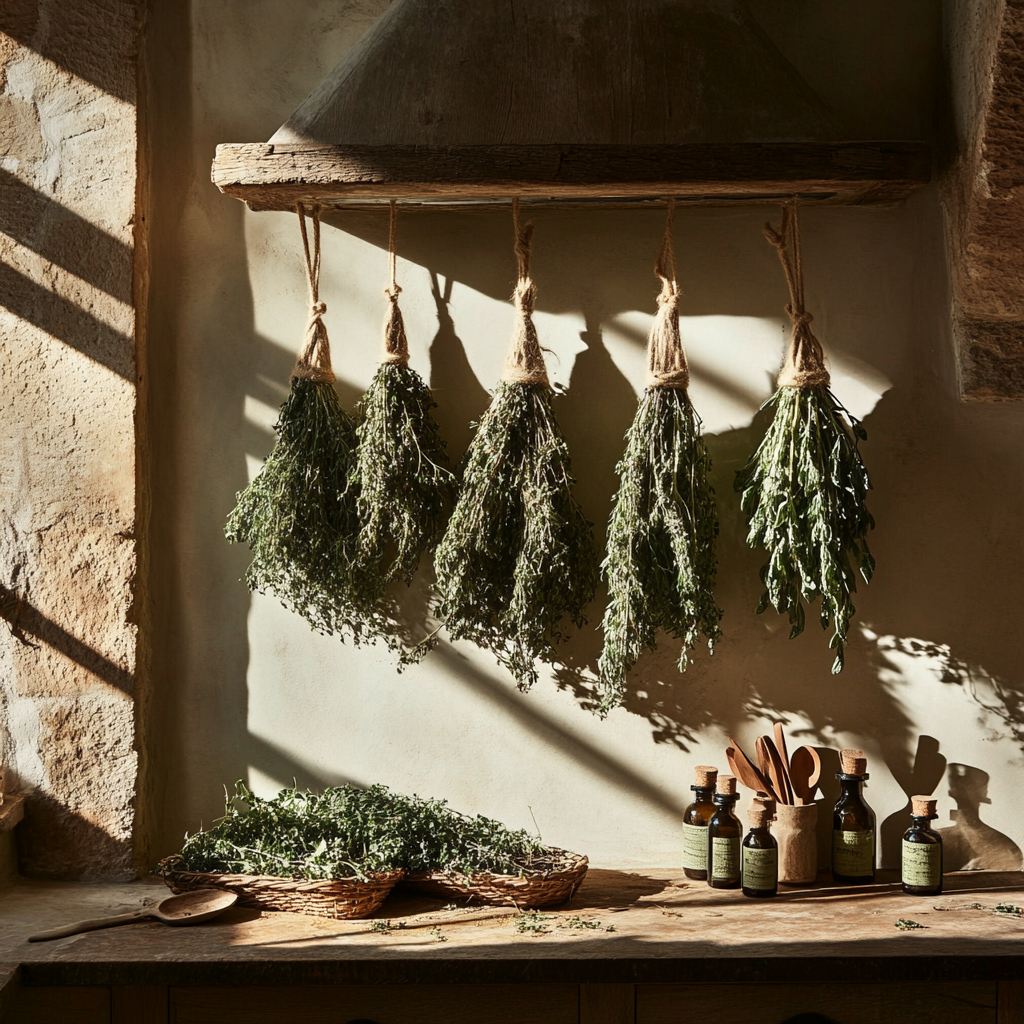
column 518, row 555
column 661, row 563
column 804, row 488
column 299, row 515
column 346, row 831
column 404, row 487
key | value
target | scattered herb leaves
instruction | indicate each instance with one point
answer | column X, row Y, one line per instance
column 532, row 922
column 804, row 491
column 661, row 563
column 906, row 925
column 1008, row 908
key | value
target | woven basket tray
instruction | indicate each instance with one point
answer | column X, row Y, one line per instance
column 339, row 897
column 547, row 890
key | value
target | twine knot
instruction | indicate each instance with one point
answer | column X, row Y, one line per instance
column 804, row 366
column 314, row 362
column 396, row 344
column 666, row 359
column 524, row 361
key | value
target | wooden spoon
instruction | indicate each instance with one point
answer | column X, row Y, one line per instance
column 780, row 746
column 776, row 771
column 805, row 770
column 188, row 908
column 747, row 772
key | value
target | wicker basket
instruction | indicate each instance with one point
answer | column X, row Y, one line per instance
column 544, row 890
column 338, row 897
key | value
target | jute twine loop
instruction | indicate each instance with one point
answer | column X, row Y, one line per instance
column 314, row 362
column 666, row 360
column 805, row 360
column 396, row 345
column 524, row 361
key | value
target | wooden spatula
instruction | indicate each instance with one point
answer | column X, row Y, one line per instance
column 747, row 772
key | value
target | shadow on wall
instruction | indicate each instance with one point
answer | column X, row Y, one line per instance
column 921, row 483
column 970, row 844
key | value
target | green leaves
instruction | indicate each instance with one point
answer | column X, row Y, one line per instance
column 346, row 832
column 804, row 491
column 404, row 485
column 661, row 563
column 299, row 516
column 518, row 556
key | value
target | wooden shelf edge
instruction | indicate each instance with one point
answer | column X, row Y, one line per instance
column 276, row 176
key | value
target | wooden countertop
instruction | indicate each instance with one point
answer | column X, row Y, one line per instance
column 643, row 926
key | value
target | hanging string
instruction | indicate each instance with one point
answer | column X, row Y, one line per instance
column 524, row 362
column 314, row 362
column 396, row 345
column 666, row 359
column 804, row 366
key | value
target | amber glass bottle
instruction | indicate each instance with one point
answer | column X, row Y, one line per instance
column 695, row 823
column 724, row 835
column 759, row 855
column 853, row 824
column 922, row 851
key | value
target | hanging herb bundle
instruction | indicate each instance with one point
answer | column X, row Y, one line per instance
column 518, row 556
column 298, row 515
column 805, row 486
column 661, row 563
column 404, row 488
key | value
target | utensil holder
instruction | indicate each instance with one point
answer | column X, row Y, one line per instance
column 798, row 842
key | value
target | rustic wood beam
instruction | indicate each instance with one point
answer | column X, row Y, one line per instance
column 277, row 176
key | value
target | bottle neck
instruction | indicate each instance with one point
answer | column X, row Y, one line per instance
column 922, row 822
column 851, row 785
column 726, row 801
column 703, row 794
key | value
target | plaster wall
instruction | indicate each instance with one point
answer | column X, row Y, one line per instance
column 242, row 688
column 68, row 140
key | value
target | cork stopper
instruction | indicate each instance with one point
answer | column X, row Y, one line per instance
column 758, row 815
column 766, row 802
column 706, row 775
column 727, row 785
column 923, row 806
column 853, row 762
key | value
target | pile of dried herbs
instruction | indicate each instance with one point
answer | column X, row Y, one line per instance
column 405, row 488
column 299, row 515
column 804, row 488
column 346, row 832
column 518, row 557
column 661, row 563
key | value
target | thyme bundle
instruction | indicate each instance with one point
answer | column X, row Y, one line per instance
column 804, row 488
column 299, row 515
column 404, row 487
column 347, row 832
column 518, row 555
column 660, row 563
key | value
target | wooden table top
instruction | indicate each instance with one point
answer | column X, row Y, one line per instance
column 622, row 926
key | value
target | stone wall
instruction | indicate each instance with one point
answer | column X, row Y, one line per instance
column 68, row 376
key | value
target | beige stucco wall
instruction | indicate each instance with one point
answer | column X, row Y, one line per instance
column 243, row 689
column 68, row 519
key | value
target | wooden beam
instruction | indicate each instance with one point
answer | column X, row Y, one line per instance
column 277, row 176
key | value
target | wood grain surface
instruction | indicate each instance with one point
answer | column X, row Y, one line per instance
column 276, row 176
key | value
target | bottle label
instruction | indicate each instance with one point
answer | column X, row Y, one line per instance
column 853, row 853
column 725, row 858
column 760, row 869
column 695, row 847
column 922, row 864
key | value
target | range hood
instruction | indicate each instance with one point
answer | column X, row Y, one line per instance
column 457, row 101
